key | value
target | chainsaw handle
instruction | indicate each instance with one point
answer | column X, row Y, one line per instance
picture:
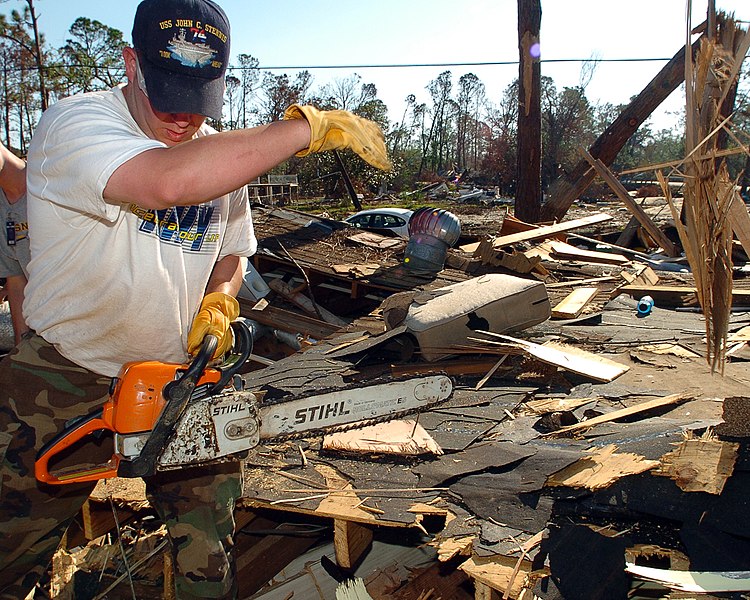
column 240, row 353
column 77, row 430
column 176, row 396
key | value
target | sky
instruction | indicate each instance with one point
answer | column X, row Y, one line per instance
column 453, row 35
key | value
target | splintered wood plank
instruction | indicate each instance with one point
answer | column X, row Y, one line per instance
column 564, row 356
column 350, row 541
column 578, row 361
column 549, row 230
column 567, row 251
column 573, row 304
column 625, row 412
column 603, row 467
column 548, row 405
column 449, row 548
column 346, row 504
column 700, row 464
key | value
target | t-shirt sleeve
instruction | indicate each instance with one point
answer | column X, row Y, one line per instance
column 76, row 148
column 239, row 239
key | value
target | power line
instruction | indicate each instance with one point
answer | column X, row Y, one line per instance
column 48, row 67
column 444, row 64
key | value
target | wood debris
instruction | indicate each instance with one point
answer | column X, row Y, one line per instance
column 404, row 437
column 700, row 464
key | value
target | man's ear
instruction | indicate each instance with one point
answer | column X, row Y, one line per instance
column 130, row 57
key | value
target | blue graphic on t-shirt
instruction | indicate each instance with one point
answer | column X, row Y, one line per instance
column 182, row 225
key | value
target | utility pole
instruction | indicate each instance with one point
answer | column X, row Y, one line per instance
column 529, row 162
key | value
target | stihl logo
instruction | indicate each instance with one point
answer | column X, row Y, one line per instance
column 320, row 412
column 228, row 409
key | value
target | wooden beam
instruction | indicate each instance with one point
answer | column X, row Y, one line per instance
column 286, row 320
column 350, row 541
column 674, row 295
column 97, row 518
column 564, row 191
column 549, row 230
column 645, row 221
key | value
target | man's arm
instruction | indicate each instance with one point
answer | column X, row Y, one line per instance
column 205, row 168
column 227, row 275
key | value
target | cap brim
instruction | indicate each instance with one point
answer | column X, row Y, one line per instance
column 171, row 92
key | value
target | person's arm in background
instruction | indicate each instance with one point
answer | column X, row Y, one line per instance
column 12, row 175
column 14, row 288
column 13, row 184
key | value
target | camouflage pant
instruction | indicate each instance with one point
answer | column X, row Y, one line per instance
column 40, row 392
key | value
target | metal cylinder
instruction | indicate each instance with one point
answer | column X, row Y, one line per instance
column 425, row 252
column 431, row 232
column 436, row 222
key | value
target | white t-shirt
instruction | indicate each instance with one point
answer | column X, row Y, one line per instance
column 111, row 283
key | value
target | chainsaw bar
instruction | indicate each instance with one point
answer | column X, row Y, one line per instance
column 218, row 426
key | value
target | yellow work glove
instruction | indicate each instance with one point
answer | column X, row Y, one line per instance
column 337, row 129
column 216, row 313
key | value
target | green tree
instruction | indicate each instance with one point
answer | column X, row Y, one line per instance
column 498, row 164
column 566, row 125
column 91, row 58
column 278, row 92
column 470, row 103
column 435, row 139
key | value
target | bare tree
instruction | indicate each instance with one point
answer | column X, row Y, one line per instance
column 17, row 31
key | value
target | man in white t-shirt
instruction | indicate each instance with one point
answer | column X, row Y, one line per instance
column 140, row 229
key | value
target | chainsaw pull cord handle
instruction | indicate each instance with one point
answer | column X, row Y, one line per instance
column 177, row 395
column 244, row 347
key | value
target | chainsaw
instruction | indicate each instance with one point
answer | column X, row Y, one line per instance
column 166, row 416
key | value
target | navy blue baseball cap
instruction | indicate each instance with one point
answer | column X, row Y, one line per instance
column 183, row 52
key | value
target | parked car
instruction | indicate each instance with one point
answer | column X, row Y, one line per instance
column 386, row 221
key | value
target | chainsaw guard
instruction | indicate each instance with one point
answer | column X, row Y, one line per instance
column 97, row 421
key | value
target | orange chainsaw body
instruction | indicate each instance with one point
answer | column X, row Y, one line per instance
column 135, row 403
column 137, row 399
